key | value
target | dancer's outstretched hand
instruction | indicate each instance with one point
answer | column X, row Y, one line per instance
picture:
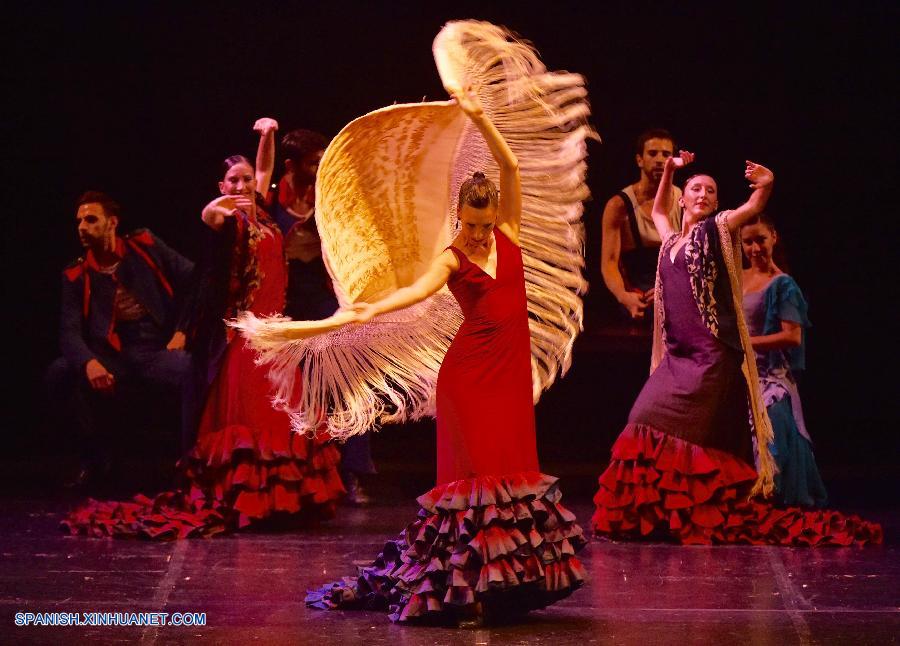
column 759, row 175
column 683, row 159
column 364, row 312
column 223, row 206
column 246, row 203
column 468, row 101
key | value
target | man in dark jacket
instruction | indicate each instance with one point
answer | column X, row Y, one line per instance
column 120, row 307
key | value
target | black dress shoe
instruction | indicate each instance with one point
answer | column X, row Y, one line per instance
column 356, row 496
column 81, row 478
column 89, row 473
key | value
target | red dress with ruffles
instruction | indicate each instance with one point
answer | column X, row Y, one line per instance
column 247, row 464
column 681, row 469
column 493, row 530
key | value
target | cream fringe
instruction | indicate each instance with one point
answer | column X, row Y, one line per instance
column 543, row 117
column 765, row 467
column 358, row 377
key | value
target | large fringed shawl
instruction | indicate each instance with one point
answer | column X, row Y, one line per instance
column 714, row 263
column 386, row 207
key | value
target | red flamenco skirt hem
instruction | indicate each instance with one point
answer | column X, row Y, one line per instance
column 504, row 542
column 236, row 478
column 660, row 487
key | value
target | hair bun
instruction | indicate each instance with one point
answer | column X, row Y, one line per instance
column 478, row 192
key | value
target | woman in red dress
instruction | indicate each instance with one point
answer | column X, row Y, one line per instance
column 492, row 538
column 247, row 464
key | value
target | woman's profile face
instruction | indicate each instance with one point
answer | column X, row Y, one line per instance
column 700, row 197
column 758, row 241
column 476, row 225
column 238, row 180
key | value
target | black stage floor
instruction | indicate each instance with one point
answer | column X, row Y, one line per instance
column 251, row 587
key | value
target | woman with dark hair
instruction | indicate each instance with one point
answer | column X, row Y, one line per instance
column 246, row 460
column 776, row 314
column 310, row 295
column 492, row 537
column 247, row 465
column 291, row 203
column 683, row 467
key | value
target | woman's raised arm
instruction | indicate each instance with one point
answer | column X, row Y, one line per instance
column 509, row 214
column 265, row 153
column 761, row 181
column 662, row 203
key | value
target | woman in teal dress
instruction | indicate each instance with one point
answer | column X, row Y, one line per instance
column 776, row 315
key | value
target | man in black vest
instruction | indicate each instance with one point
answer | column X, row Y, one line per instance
column 120, row 307
column 630, row 242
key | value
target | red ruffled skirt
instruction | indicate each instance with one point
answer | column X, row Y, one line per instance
column 247, row 466
column 254, row 474
column 505, row 542
column 242, row 481
column 661, row 487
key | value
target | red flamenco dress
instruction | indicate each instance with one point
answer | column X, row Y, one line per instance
column 247, row 465
column 682, row 469
column 493, row 530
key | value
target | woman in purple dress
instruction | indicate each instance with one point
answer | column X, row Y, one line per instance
column 686, row 463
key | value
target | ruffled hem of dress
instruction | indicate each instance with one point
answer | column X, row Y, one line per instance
column 505, row 542
column 230, row 488
column 661, row 487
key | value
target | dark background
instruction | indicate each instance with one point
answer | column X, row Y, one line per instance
column 143, row 100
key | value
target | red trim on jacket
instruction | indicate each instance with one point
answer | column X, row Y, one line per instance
column 90, row 262
column 153, row 266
